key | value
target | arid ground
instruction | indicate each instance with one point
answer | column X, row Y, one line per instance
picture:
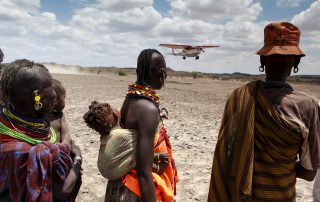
column 195, row 110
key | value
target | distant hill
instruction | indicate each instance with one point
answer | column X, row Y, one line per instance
column 131, row 70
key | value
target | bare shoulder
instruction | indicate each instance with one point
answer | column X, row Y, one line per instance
column 145, row 108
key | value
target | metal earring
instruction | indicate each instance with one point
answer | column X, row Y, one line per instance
column 261, row 68
column 296, row 69
column 37, row 105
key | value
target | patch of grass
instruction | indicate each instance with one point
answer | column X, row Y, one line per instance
column 196, row 75
column 122, row 72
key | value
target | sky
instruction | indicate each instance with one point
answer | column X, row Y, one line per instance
column 113, row 32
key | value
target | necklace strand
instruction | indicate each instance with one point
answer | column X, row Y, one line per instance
column 136, row 90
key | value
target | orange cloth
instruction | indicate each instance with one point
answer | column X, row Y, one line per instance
column 165, row 184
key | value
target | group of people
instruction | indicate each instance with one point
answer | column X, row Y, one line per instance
column 269, row 136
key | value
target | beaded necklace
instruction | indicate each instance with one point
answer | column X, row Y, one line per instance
column 146, row 92
column 39, row 129
column 36, row 123
column 21, row 136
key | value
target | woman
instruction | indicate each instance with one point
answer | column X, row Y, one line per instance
column 265, row 126
column 140, row 111
column 32, row 167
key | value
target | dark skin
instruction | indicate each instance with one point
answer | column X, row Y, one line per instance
column 143, row 115
column 59, row 122
column 278, row 68
column 25, row 107
column 105, row 118
column 21, row 91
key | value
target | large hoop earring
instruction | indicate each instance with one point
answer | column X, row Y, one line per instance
column 296, row 69
column 261, row 68
column 37, row 105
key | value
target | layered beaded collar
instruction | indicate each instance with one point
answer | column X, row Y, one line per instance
column 145, row 92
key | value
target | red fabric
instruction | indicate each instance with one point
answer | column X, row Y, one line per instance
column 31, row 169
column 165, row 184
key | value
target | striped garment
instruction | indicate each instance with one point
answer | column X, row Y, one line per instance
column 256, row 152
column 26, row 171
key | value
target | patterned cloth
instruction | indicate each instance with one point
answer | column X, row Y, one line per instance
column 165, row 184
column 127, row 188
column 118, row 192
column 257, row 149
column 117, row 157
column 28, row 170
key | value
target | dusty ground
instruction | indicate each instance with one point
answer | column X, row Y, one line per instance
column 195, row 110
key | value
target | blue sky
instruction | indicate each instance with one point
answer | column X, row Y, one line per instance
column 113, row 32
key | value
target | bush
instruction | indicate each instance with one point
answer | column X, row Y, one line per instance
column 122, row 72
column 196, row 75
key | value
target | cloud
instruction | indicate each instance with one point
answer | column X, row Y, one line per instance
column 308, row 20
column 289, row 3
column 119, row 6
column 209, row 10
column 97, row 19
column 102, row 34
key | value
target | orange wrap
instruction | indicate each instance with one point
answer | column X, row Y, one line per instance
column 165, row 184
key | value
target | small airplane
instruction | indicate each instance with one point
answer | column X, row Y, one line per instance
column 187, row 50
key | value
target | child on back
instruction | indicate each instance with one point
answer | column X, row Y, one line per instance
column 117, row 146
column 57, row 118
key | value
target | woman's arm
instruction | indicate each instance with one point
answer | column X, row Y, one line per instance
column 147, row 124
column 61, row 190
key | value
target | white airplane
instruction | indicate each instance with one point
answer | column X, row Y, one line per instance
column 187, row 50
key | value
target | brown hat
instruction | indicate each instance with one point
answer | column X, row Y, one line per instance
column 281, row 38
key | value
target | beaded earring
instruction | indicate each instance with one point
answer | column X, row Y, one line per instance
column 37, row 105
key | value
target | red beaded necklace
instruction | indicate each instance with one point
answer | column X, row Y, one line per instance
column 136, row 90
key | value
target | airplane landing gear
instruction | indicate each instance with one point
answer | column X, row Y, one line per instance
column 197, row 57
column 184, row 57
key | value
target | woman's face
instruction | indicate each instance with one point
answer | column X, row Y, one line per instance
column 157, row 73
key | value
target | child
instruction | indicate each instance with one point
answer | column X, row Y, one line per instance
column 57, row 118
column 117, row 146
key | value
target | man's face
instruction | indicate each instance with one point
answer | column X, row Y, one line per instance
column 157, row 71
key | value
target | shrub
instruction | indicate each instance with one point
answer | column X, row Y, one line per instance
column 196, row 75
column 122, row 72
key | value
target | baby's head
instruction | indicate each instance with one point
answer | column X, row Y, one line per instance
column 60, row 95
column 101, row 117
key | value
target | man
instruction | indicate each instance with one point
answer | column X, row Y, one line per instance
column 266, row 125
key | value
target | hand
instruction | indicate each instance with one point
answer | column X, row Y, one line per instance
column 161, row 161
column 161, row 167
column 161, row 157
column 75, row 149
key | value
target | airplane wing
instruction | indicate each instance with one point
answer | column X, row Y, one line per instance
column 207, row 46
column 176, row 46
